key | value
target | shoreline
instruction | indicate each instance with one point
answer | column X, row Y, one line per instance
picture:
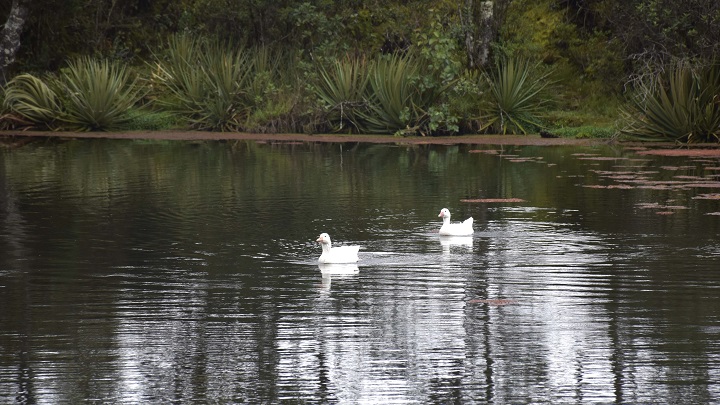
column 15, row 137
column 294, row 137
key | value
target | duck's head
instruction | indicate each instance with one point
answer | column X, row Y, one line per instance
column 444, row 213
column 324, row 239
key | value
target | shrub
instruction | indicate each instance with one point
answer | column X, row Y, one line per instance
column 341, row 91
column 97, row 94
column 217, row 87
column 274, row 91
column 516, row 99
column 203, row 82
column 88, row 95
column 396, row 102
column 682, row 104
column 33, row 100
column 585, row 131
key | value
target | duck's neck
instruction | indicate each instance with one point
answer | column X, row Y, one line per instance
column 326, row 247
column 446, row 220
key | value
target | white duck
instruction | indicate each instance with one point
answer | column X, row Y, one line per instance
column 341, row 254
column 458, row 229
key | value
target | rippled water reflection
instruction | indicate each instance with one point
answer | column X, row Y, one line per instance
column 135, row 272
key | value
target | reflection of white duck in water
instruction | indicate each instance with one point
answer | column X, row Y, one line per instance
column 340, row 254
column 457, row 229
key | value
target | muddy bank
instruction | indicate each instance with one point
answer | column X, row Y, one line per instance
column 21, row 137
column 198, row 136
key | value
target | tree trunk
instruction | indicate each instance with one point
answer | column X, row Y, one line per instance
column 480, row 20
column 10, row 35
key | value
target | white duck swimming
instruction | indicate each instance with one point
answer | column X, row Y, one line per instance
column 457, row 229
column 341, row 254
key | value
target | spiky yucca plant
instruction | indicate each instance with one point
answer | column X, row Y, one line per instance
column 341, row 90
column 97, row 94
column 396, row 102
column 202, row 81
column 516, row 97
column 32, row 99
column 226, row 74
column 221, row 88
column 682, row 104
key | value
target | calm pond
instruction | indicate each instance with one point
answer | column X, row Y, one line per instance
column 186, row 272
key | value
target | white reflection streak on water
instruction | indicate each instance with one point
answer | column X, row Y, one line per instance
column 157, row 337
column 545, row 269
column 411, row 349
column 587, row 322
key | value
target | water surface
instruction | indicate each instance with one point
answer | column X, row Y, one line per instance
column 159, row 272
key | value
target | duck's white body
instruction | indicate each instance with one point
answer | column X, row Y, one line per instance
column 340, row 254
column 457, row 229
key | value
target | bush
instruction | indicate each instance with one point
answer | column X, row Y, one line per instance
column 34, row 101
column 341, row 90
column 678, row 105
column 88, row 95
column 97, row 94
column 515, row 97
column 382, row 96
column 215, row 86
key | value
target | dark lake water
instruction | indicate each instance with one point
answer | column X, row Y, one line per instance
column 183, row 272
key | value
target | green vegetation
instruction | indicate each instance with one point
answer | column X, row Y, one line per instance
column 586, row 131
column 32, row 101
column 417, row 67
column 516, row 99
column 679, row 105
column 341, row 90
column 395, row 100
column 97, row 95
column 88, row 95
column 205, row 83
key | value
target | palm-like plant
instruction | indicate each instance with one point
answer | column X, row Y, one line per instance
column 395, row 99
column 97, row 95
column 341, row 90
column 516, row 97
column 681, row 105
column 33, row 100
column 384, row 95
column 206, row 83
column 225, row 73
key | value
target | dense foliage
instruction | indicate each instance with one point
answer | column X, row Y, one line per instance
column 87, row 95
column 397, row 67
column 679, row 105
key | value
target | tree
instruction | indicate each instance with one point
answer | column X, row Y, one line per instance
column 654, row 33
column 10, row 35
column 480, row 21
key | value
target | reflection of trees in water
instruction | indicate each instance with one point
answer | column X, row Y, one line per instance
column 146, row 257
